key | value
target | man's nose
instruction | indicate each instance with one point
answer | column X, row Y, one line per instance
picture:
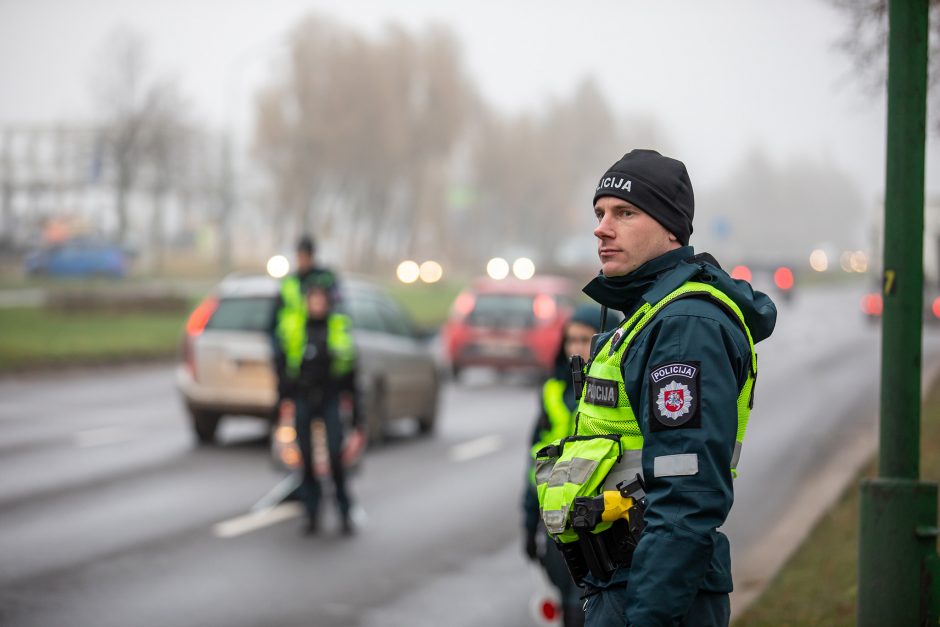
column 603, row 230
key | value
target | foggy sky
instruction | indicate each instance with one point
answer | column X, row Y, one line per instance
column 721, row 78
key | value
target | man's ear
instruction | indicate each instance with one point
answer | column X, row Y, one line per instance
column 672, row 238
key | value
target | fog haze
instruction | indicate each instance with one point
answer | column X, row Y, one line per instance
column 719, row 85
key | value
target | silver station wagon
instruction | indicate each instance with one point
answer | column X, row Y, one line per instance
column 226, row 365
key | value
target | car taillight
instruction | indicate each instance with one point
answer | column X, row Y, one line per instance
column 935, row 307
column 783, row 278
column 544, row 307
column 194, row 326
column 872, row 304
column 200, row 316
column 464, row 305
column 741, row 272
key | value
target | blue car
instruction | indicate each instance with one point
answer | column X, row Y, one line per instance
column 78, row 258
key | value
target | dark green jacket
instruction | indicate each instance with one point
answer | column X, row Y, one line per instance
column 681, row 550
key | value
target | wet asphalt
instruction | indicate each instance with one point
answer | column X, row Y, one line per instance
column 111, row 515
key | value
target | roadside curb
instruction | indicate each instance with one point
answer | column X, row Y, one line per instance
column 754, row 571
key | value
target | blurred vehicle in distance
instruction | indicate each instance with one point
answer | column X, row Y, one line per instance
column 78, row 257
column 508, row 324
column 765, row 277
column 784, row 282
column 778, row 280
column 742, row 273
column 226, row 365
column 872, row 306
column 872, row 303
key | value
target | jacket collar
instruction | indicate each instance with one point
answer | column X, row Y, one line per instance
column 648, row 283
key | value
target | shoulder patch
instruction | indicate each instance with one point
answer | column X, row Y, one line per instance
column 674, row 396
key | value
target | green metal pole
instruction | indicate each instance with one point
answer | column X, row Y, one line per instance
column 904, row 241
column 896, row 555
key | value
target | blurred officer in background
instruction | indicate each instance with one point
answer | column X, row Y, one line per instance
column 556, row 421
column 306, row 274
column 316, row 370
column 290, row 298
column 675, row 382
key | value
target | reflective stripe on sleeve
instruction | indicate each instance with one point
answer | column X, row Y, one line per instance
column 543, row 470
column 675, row 465
column 576, row 470
column 580, row 469
column 559, row 474
column 555, row 519
column 736, row 456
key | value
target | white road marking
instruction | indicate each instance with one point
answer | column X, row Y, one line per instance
column 476, row 448
column 240, row 525
column 102, row 437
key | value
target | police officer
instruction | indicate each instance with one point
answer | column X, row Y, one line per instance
column 556, row 420
column 307, row 273
column 291, row 296
column 675, row 381
column 316, row 371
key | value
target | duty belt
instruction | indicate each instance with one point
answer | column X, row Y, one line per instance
column 600, row 554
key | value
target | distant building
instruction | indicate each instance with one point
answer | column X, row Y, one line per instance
column 63, row 178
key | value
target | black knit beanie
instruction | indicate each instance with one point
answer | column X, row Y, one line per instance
column 658, row 185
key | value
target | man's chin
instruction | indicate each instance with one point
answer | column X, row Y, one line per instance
column 611, row 270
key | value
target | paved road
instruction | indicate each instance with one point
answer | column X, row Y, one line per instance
column 110, row 516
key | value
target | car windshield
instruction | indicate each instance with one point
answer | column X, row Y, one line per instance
column 242, row 314
column 502, row 310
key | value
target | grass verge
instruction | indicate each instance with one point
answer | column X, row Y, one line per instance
column 818, row 585
column 32, row 337
column 427, row 304
column 49, row 337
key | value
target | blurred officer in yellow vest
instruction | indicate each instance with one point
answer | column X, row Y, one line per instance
column 316, row 368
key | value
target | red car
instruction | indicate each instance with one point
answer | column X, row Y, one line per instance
column 508, row 324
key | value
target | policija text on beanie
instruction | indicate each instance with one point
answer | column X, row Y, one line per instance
column 658, row 185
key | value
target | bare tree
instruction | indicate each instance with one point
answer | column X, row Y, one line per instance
column 163, row 153
column 534, row 172
column 360, row 136
column 141, row 123
column 125, row 104
column 866, row 40
column 147, row 137
column 801, row 203
column 364, row 124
